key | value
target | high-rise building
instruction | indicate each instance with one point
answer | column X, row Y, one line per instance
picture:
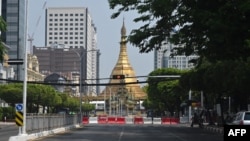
column 14, row 13
column 163, row 58
column 73, row 28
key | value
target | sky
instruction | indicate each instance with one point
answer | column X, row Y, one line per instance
column 108, row 33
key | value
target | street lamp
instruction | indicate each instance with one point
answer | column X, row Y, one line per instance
column 80, row 55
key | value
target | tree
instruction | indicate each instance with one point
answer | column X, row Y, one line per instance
column 11, row 93
column 165, row 94
column 214, row 29
column 3, row 26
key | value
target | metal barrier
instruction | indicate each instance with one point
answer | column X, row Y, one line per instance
column 44, row 122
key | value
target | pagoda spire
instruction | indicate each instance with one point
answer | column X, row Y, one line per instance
column 123, row 67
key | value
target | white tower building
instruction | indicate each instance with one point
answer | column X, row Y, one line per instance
column 72, row 27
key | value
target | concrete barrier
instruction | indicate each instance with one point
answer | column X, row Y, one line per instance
column 165, row 120
column 102, row 119
column 85, row 120
column 111, row 120
column 129, row 120
column 147, row 120
column 93, row 120
column 184, row 119
column 138, row 120
column 157, row 121
column 120, row 120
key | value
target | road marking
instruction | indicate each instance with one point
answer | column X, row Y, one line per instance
column 121, row 134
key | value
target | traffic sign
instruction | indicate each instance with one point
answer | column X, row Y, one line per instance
column 19, row 118
column 19, row 107
column 15, row 61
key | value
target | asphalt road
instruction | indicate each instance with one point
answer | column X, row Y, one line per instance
column 7, row 130
column 135, row 133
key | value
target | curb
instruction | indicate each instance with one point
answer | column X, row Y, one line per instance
column 30, row 137
column 219, row 130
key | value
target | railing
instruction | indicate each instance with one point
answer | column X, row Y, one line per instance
column 45, row 122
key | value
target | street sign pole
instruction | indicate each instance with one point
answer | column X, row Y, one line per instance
column 25, row 76
column 19, row 116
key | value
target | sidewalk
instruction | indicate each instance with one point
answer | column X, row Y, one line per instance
column 214, row 128
column 7, row 123
column 211, row 128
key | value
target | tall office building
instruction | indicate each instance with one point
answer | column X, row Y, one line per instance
column 163, row 58
column 73, row 28
column 14, row 13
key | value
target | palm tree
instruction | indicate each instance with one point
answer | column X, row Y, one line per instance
column 3, row 26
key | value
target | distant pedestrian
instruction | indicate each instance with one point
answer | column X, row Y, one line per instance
column 195, row 119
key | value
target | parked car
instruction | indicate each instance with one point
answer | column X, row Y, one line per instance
column 242, row 118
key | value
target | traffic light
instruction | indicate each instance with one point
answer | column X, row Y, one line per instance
column 118, row 76
column 196, row 104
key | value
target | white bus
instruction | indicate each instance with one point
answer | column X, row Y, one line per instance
column 99, row 105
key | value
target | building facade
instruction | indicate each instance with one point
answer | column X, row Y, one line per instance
column 72, row 28
column 163, row 58
column 33, row 73
column 14, row 13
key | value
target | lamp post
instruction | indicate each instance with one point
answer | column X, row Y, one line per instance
column 80, row 55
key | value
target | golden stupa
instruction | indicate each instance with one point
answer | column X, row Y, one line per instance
column 126, row 90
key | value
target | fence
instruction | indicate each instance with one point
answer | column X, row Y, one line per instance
column 45, row 122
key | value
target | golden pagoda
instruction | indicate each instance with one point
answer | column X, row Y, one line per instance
column 125, row 92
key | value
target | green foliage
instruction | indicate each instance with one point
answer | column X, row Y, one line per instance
column 8, row 112
column 165, row 94
column 87, row 107
column 3, row 27
column 205, row 28
column 37, row 96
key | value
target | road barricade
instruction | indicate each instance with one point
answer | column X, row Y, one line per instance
column 93, row 120
column 148, row 120
column 85, row 120
column 138, row 120
column 175, row 120
column 157, row 121
column 129, row 120
column 165, row 120
column 120, row 120
column 102, row 119
column 111, row 120
column 184, row 119
column 169, row 120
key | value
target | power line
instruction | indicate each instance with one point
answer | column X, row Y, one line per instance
column 69, row 83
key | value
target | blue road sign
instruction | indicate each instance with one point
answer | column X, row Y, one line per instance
column 19, row 107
